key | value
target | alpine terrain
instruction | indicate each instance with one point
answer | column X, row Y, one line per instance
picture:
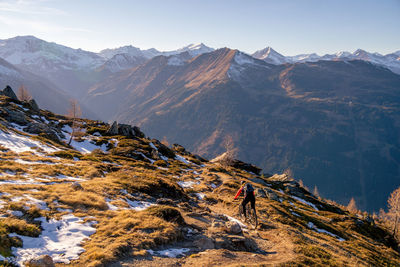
column 333, row 123
column 110, row 196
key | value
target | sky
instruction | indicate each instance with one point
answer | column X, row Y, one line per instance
column 291, row 27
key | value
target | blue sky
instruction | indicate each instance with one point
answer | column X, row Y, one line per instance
column 289, row 26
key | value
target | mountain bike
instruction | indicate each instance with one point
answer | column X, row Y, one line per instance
column 251, row 215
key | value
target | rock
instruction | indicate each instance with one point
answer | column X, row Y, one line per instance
column 8, row 91
column 233, row 227
column 113, row 129
column 76, row 186
column 279, row 178
column 16, row 116
column 125, row 130
column 296, row 190
column 34, row 105
column 204, row 243
column 138, row 132
column 260, row 193
column 42, row 261
column 271, row 194
column 41, row 128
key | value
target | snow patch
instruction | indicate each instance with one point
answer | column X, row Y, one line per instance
column 306, row 202
column 187, row 184
column 235, row 220
column 170, row 253
column 312, row 226
column 138, row 205
column 59, row 239
column 200, row 195
column 19, row 143
column 182, row 159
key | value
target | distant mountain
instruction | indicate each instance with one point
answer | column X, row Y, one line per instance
column 332, row 122
column 46, row 94
column 271, row 56
column 130, row 50
column 69, row 69
column 121, row 62
column 390, row 61
column 76, row 70
column 192, row 49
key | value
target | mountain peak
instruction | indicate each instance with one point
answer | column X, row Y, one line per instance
column 269, row 55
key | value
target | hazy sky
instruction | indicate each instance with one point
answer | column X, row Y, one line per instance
column 289, row 26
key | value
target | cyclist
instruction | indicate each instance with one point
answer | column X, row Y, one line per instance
column 249, row 196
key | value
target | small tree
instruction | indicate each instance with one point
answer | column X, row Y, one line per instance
column 74, row 113
column 352, row 207
column 315, row 192
column 394, row 209
column 230, row 150
column 165, row 141
column 23, row 94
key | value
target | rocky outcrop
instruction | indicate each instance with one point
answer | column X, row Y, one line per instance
column 15, row 116
column 42, row 128
column 34, row 106
column 8, row 91
column 125, row 130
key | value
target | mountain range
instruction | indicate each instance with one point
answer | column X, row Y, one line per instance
column 330, row 119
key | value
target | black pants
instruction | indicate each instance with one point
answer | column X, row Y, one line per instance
column 249, row 198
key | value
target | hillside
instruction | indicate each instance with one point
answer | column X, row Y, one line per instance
column 117, row 198
column 332, row 123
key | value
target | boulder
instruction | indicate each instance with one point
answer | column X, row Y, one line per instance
column 41, row 128
column 204, row 243
column 16, row 116
column 260, row 193
column 138, row 132
column 233, row 227
column 125, row 130
column 271, row 194
column 8, row 91
column 42, row 261
column 76, row 186
column 113, row 129
column 34, row 105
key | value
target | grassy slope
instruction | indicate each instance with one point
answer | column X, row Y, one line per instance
column 125, row 235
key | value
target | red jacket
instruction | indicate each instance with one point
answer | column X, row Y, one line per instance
column 240, row 191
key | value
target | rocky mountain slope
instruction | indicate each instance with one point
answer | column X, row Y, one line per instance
column 117, row 198
column 319, row 119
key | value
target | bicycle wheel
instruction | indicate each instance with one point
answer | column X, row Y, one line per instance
column 252, row 216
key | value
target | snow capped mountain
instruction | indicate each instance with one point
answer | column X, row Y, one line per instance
column 304, row 58
column 122, row 61
column 37, row 54
column 193, row 49
column 270, row 55
column 131, row 50
column 390, row 61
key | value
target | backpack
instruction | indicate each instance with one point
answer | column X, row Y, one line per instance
column 248, row 189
